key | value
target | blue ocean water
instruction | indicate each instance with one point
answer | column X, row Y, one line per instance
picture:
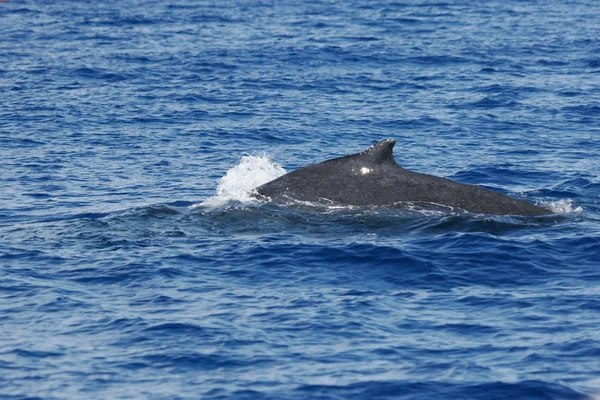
column 125, row 274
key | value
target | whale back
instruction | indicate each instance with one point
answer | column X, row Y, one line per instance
column 373, row 178
column 340, row 179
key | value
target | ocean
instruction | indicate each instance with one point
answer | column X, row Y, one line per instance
column 135, row 264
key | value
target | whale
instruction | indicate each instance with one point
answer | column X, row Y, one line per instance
column 374, row 178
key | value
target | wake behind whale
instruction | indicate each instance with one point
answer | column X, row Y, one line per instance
column 373, row 178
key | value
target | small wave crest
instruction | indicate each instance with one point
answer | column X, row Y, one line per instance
column 239, row 182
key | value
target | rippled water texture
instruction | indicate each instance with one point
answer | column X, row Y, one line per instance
column 134, row 265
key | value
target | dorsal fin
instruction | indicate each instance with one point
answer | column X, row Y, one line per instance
column 380, row 152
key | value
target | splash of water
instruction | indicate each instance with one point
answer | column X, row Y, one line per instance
column 563, row 206
column 240, row 181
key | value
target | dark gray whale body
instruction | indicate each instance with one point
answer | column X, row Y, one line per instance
column 373, row 178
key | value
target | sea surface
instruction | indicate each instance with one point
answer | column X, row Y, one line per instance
column 134, row 263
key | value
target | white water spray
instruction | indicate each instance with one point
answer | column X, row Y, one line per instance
column 563, row 206
column 240, row 181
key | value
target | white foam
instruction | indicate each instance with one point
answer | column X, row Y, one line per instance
column 561, row 206
column 240, row 181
